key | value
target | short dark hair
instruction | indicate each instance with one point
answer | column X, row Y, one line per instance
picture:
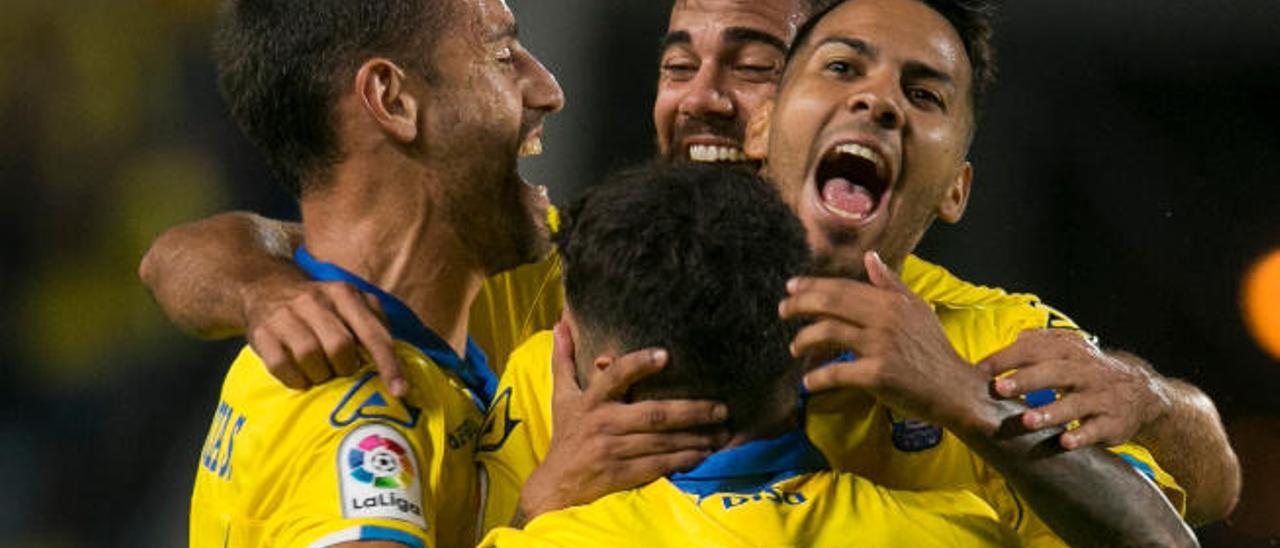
column 283, row 64
column 972, row 20
column 693, row 259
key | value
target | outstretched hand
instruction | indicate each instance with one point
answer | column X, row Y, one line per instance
column 601, row 444
column 307, row 333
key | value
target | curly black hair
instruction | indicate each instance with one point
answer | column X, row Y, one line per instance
column 693, row 259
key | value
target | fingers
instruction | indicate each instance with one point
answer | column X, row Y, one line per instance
column 372, row 334
column 1071, row 407
column 302, row 345
column 1032, row 347
column 643, row 445
column 1098, row 430
column 334, row 336
column 826, row 337
column 279, row 361
column 838, row 298
column 881, row 275
column 862, row 374
column 665, row 416
column 613, row 383
column 643, row 470
column 563, row 370
column 1062, row 375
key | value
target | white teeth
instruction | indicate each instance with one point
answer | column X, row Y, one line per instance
column 713, row 154
column 862, row 152
column 531, row 147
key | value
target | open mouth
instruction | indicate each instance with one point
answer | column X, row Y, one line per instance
column 852, row 181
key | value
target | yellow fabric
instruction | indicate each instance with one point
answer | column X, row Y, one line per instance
column 852, row 429
column 819, row 509
column 515, row 304
column 271, row 470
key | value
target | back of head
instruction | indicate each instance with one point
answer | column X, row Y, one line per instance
column 693, row 259
column 283, row 65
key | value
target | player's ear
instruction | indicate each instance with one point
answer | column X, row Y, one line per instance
column 956, row 197
column 384, row 96
column 756, row 146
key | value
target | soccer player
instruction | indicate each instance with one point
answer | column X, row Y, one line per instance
column 694, row 259
column 715, row 37
column 397, row 125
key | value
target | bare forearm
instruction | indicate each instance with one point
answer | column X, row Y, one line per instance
column 1087, row 496
column 201, row 272
column 1190, row 443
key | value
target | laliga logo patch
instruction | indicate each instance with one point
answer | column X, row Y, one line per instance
column 911, row 435
column 378, row 476
column 381, row 462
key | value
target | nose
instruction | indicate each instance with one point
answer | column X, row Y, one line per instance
column 705, row 96
column 542, row 91
column 879, row 106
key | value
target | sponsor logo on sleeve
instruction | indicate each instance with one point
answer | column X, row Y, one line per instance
column 379, row 476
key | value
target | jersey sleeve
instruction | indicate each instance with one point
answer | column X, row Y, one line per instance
column 517, row 431
column 362, row 474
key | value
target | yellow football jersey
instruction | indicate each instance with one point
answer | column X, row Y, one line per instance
column 776, row 492
column 515, row 304
column 854, row 431
column 345, row 461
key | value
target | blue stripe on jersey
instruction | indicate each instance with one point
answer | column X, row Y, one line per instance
column 1140, row 466
column 373, row 532
column 752, row 467
column 405, row 325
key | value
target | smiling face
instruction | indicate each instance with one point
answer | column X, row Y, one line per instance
column 871, row 129
column 485, row 111
column 721, row 60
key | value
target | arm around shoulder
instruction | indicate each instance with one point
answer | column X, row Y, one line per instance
column 202, row 272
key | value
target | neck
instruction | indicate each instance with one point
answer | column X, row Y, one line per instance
column 767, row 429
column 383, row 225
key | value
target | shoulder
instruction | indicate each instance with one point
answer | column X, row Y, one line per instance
column 979, row 319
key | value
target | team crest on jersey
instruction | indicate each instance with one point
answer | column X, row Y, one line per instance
column 379, row 475
column 912, row 435
column 498, row 425
column 366, row 400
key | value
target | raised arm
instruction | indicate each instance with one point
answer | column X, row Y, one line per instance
column 1119, row 397
column 1087, row 497
column 233, row 273
column 208, row 274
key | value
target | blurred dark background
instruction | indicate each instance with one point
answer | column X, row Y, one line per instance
column 1128, row 173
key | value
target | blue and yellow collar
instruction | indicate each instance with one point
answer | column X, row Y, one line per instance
column 752, row 467
column 473, row 369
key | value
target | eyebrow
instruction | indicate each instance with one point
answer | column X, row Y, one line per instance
column 742, row 34
column 509, row 30
column 860, row 46
column 915, row 70
column 672, row 38
column 737, row 35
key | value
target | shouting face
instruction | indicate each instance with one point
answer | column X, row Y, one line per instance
column 869, row 134
column 489, row 103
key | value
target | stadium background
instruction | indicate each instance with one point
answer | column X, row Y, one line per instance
column 1128, row 172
